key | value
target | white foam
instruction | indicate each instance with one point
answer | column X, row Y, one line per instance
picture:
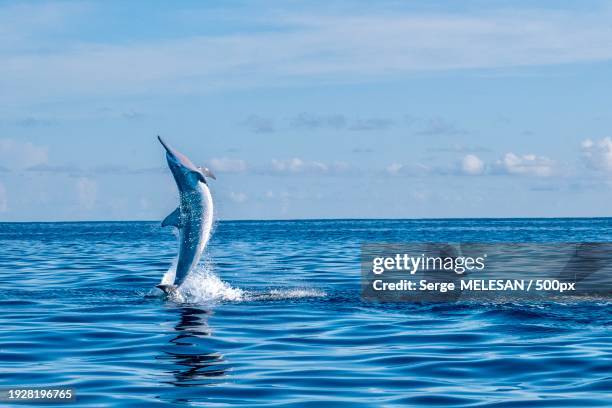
column 289, row 293
column 203, row 286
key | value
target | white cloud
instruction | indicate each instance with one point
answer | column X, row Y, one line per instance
column 21, row 24
column 598, row 154
column 340, row 167
column 227, row 165
column 297, row 165
column 394, row 168
column 472, row 165
column 3, row 199
column 87, row 192
column 412, row 169
column 339, row 47
column 238, row 197
column 16, row 154
column 529, row 164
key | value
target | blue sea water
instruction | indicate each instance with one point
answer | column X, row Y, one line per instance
column 275, row 318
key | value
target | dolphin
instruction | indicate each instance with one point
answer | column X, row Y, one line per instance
column 193, row 218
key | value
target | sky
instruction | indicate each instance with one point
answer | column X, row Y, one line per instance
column 334, row 109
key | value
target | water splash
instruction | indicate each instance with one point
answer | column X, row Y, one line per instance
column 288, row 293
column 203, row 286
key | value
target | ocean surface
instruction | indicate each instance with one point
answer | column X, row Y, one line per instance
column 273, row 317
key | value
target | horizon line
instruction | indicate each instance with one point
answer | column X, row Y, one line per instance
column 309, row 219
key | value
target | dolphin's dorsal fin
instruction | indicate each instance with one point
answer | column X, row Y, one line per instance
column 174, row 219
column 206, row 171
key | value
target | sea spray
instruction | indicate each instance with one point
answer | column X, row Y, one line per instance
column 170, row 274
column 286, row 293
column 202, row 285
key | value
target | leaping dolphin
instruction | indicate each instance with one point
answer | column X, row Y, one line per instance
column 193, row 217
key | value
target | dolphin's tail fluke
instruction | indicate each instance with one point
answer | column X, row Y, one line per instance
column 167, row 289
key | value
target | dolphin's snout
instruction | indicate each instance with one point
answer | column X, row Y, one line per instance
column 171, row 154
column 175, row 157
column 164, row 144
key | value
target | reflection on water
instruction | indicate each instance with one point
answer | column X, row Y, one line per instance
column 194, row 364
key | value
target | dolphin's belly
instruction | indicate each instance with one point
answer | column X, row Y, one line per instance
column 196, row 223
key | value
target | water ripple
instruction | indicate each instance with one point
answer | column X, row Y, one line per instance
column 275, row 319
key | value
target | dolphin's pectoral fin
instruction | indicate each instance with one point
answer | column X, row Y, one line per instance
column 200, row 176
column 174, row 219
column 206, row 171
